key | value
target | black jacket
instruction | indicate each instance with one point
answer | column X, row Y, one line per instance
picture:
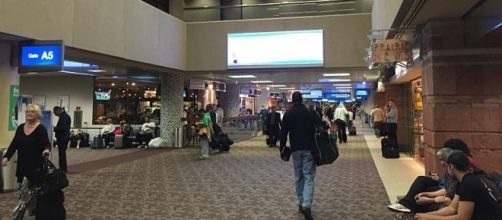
column 277, row 121
column 63, row 126
column 298, row 122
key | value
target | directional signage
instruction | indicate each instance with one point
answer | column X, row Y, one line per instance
column 41, row 56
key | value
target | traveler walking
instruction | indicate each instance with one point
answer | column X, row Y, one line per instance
column 298, row 122
column 62, row 131
column 377, row 117
column 205, row 133
column 341, row 117
column 31, row 143
column 273, row 123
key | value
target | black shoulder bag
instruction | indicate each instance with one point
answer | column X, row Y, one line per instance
column 324, row 148
column 53, row 179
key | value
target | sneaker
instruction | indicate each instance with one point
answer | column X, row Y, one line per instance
column 307, row 213
column 398, row 208
column 203, row 157
column 140, row 146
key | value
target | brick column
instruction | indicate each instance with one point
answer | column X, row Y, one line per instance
column 462, row 93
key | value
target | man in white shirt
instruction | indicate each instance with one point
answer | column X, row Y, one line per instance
column 377, row 118
column 107, row 132
column 341, row 117
column 219, row 115
column 146, row 133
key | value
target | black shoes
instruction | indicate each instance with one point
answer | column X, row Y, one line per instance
column 307, row 213
column 300, row 209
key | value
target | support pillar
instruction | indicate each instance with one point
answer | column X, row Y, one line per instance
column 462, row 93
column 232, row 100
column 172, row 106
column 8, row 78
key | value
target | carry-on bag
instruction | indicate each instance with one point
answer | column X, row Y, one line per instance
column 352, row 130
column 324, row 149
column 389, row 148
column 97, row 142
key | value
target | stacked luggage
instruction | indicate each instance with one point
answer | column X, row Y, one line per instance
column 219, row 140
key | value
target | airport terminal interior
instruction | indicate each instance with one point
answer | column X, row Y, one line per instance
column 173, row 109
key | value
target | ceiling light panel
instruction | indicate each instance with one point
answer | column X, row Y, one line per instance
column 275, row 86
column 334, row 80
column 336, row 74
column 261, row 81
column 242, row 76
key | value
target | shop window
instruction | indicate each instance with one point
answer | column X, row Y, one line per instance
column 126, row 99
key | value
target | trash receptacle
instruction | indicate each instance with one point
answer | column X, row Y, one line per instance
column 179, row 138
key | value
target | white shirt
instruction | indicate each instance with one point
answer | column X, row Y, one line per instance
column 341, row 113
column 148, row 127
column 377, row 115
column 109, row 128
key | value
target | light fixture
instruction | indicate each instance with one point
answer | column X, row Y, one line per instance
column 76, row 73
column 133, row 84
column 262, row 81
column 96, row 71
column 344, row 87
column 334, row 80
column 242, row 76
column 364, row 82
column 342, row 84
column 288, row 88
column 336, row 74
column 113, row 84
column 275, row 86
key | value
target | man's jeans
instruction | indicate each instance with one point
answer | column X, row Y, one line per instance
column 305, row 169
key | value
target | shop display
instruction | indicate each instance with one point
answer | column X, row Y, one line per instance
column 418, row 128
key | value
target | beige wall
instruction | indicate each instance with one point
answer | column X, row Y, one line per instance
column 345, row 38
column 130, row 29
column 383, row 13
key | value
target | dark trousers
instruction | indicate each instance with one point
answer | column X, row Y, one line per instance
column 377, row 126
column 341, row 130
column 107, row 138
column 62, row 145
column 273, row 135
column 421, row 184
column 145, row 138
column 392, row 129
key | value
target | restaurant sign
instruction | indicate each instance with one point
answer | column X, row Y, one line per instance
column 388, row 51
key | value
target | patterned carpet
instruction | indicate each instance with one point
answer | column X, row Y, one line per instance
column 249, row 182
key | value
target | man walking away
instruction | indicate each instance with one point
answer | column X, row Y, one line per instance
column 341, row 117
column 298, row 122
column 273, row 123
column 377, row 116
column 62, row 131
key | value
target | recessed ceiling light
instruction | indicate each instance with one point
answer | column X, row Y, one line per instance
column 334, row 80
column 289, row 88
column 262, row 81
column 96, row 71
column 344, row 87
column 242, row 76
column 342, row 84
column 275, row 86
column 336, row 74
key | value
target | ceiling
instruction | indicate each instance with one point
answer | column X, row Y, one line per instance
column 204, row 10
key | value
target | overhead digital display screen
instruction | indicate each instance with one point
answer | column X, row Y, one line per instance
column 275, row 49
column 362, row 92
column 41, row 56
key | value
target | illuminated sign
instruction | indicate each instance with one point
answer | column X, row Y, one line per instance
column 388, row 51
column 41, row 56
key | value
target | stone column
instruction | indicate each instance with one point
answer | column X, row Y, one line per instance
column 8, row 77
column 232, row 101
column 172, row 105
column 462, row 93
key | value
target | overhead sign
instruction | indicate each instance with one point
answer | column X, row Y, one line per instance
column 41, row 56
column 388, row 51
column 337, row 96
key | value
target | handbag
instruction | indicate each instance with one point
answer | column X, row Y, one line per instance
column 53, row 179
column 285, row 153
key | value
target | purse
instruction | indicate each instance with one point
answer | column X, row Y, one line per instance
column 53, row 179
column 285, row 153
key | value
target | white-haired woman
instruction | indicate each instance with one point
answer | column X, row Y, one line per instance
column 32, row 144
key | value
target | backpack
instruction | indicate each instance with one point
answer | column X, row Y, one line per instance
column 493, row 185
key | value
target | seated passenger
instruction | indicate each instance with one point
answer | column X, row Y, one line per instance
column 474, row 198
column 429, row 193
column 107, row 132
column 146, row 133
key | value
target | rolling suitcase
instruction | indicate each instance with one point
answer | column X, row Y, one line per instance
column 97, row 142
column 389, row 148
column 118, row 141
column 352, row 130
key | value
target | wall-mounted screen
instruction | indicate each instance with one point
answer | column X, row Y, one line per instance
column 311, row 94
column 362, row 92
column 275, row 49
column 41, row 56
column 101, row 96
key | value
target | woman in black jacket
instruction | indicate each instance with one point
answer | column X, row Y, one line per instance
column 32, row 144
